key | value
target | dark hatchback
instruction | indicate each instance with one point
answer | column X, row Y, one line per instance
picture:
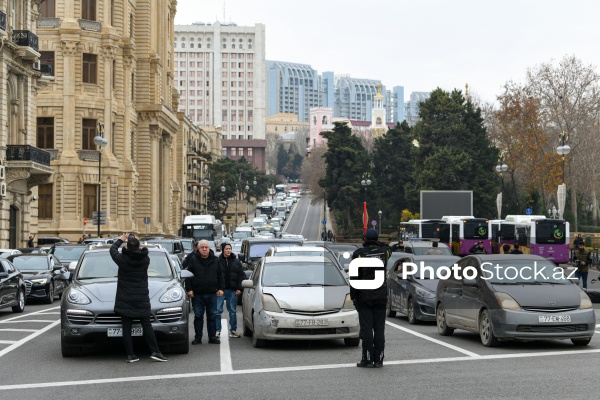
column 46, row 276
column 413, row 296
column 522, row 297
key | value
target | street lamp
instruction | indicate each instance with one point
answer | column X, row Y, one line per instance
column 222, row 190
column 100, row 142
column 561, row 194
column 500, row 168
column 236, row 209
column 365, row 182
column 380, row 213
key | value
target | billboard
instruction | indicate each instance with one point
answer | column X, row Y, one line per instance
column 437, row 203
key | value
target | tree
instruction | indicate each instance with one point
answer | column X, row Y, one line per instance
column 282, row 159
column 313, row 170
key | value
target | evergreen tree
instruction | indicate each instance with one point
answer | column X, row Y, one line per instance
column 282, row 159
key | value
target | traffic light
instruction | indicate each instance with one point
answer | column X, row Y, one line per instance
column 84, row 221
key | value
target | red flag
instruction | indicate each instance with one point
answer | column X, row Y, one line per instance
column 365, row 217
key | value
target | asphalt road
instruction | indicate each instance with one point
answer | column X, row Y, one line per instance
column 305, row 219
column 419, row 363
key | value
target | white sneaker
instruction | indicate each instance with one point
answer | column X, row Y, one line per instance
column 234, row 334
column 218, row 335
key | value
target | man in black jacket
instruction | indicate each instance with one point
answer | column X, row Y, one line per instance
column 371, row 303
column 132, row 300
column 204, row 288
column 234, row 275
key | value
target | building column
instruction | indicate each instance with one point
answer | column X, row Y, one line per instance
column 166, row 167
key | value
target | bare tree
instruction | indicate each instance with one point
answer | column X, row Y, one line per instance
column 313, row 170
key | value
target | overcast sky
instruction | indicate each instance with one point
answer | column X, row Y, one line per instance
column 418, row 44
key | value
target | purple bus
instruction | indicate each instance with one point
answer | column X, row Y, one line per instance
column 466, row 231
column 545, row 237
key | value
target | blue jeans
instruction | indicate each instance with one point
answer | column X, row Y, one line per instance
column 200, row 303
column 582, row 275
column 231, row 298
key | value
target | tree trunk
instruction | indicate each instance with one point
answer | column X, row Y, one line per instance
column 594, row 208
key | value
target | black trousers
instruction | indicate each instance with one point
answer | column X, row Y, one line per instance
column 127, row 322
column 372, row 333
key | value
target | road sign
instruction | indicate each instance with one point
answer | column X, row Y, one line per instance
column 373, row 222
column 324, row 222
column 84, row 221
column 102, row 214
column 102, row 221
column 146, row 220
column 529, row 211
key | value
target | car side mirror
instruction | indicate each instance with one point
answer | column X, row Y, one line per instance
column 65, row 276
column 72, row 265
column 186, row 274
column 470, row 282
column 248, row 284
column 3, row 275
column 57, row 267
column 177, row 251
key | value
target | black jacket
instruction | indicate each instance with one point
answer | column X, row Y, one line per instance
column 208, row 277
column 376, row 298
column 477, row 250
column 233, row 272
column 132, row 299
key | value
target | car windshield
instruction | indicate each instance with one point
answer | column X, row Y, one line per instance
column 166, row 244
column 100, row 265
column 259, row 249
column 5, row 254
column 187, row 245
column 68, row 253
column 240, row 235
column 524, row 272
column 31, row 263
column 302, row 274
column 419, row 251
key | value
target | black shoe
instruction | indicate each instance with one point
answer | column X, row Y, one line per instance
column 197, row 341
column 214, row 341
column 364, row 364
column 158, row 357
column 132, row 358
column 378, row 365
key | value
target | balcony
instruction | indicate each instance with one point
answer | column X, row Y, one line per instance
column 88, row 25
column 3, row 21
column 28, row 44
column 192, row 178
column 48, row 23
column 26, row 167
column 88, row 155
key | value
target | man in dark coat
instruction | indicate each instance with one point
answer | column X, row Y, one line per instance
column 204, row 288
column 234, row 275
column 371, row 303
column 30, row 241
column 132, row 300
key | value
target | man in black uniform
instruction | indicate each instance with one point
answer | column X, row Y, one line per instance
column 371, row 303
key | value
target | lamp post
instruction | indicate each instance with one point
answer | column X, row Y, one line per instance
column 380, row 213
column 365, row 182
column 247, row 188
column 236, row 209
column 100, row 142
column 222, row 190
column 561, row 194
column 500, row 168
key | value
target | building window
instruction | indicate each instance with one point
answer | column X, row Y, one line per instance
column 250, row 44
column 45, row 201
column 224, row 151
column 88, row 10
column 241, row 152
column 89, row 200
column 45, row 133
column 47, row 9
column 233, row 152
column 90, row 68
column 250, row 152
column 88, row 132
column 47, row 62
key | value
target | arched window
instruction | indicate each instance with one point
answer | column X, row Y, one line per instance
column 191, row 45
column 314, row 120
column 378, row 121
column 208, row 43
column 324, row 120
column 183, row 45
column 241, row 44
column 250, row 44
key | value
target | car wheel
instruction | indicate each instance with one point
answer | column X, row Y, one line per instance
column 388, row 309
column 20, row 306
column 410, row 312
column 256, row 342
column 247, row 332
column 351, row 342
column 581, row 342
column 486, row 331
column 443, row 328
column 50, row 297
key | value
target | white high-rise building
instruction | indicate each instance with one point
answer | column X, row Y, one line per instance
column 220, row 75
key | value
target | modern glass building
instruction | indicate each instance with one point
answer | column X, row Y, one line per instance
column 291, row 88
column 354, row 97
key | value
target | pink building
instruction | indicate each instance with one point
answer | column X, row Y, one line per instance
column 320, row 120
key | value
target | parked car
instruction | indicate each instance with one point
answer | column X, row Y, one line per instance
column 411, row 295
column 45, row 273
column 173, row 246
column 99, row 241
column 188, row 245
column 515, row 301
column 9, row 252
column 13, row 289
column 307, row 296
column 50, row 240
column 295, row 251
column 421, row 247
column 68, row 252
column 87, row 308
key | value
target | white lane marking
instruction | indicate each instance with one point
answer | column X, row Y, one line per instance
column 28, row 338
column 305, row 218
column 450, row 346
column 289, row 218
column 29, row 314
column 50, row 313
column 7, row 341
column 18, row 330
column 27, row 320
column 288, row 369
column 597, row 331
column 226, row 365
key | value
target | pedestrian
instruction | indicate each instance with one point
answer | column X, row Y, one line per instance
column 578, row 240
column 582, row 262
column 30, row 241
column 204, row 288
column 371, row 303
column 330, row 235
column 132, row 300
column 233, row 273
column 434, row 250
column 506, row 248
column 323, row 235
column 516, row 249
column 478, row 248
column 186, row 260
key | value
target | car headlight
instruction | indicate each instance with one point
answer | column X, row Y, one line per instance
column 40, row 281
column 585, row 301
column 423, row 293
column 507, row 302
column 172, row 295
column 270, row 304
column 77, row 297
column 348, row 304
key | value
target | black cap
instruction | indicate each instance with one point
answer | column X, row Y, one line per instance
column 371, row 234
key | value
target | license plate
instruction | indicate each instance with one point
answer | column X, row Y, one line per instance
column 118, row 332
column 555, row 318
column 312, row 322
